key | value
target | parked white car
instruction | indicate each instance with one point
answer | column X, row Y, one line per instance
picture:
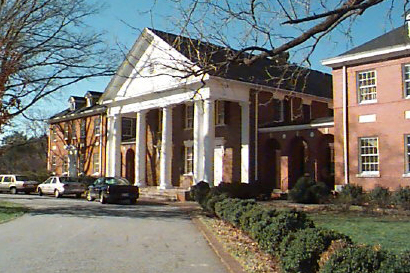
column 15, row 183
column 61, row 185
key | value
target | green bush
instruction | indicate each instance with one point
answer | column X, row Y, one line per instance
column 401, row 198
column 355, row 259
column 396, row 263
column 379, row 197
column 199, row 193
column 283, row 224
column 212, row 198
column 231, row 210
column 255, row 220
column 300, row 251
column 352, row 195
column 307, row 191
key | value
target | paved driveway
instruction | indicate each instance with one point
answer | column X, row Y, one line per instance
column 70, row 235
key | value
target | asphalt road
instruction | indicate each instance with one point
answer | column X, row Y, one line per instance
column 71, row 235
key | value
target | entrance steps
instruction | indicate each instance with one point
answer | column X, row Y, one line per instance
column 174, row 194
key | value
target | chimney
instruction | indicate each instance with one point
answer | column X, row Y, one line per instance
column 408, row 24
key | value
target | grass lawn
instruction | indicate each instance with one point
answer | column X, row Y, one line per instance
column 9, row 211
column 392, row 233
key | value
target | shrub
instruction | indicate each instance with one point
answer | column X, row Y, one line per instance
column 301, row 251
column 283, row 224
column 231, row 210
column 212, row 198
column 238, row 190
column 380, row 197
column 396, row 263
column 199, row 193
column 307, row 191
column 401, row 198
column 255, row 220
column 352, row 195
column 355, row 259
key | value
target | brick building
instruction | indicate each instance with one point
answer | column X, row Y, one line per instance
column 164, row 129
column 371, row 91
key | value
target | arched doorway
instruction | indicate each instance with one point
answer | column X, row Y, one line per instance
column 130, row 166
column 326, row 163
column 299, row 160
column 271, row 175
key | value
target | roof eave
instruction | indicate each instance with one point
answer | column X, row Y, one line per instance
column 366, row 56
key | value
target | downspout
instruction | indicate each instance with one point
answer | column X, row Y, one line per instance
column 345, row 129
column 100, row 142
column 256, row 134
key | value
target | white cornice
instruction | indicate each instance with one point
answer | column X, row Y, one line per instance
column 296, row 127
column 351, row 58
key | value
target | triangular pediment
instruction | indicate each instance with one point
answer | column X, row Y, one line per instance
column 151, row 65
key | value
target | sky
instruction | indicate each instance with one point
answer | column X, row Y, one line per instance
column 122, row 21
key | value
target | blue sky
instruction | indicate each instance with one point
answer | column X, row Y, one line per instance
column 119, row 15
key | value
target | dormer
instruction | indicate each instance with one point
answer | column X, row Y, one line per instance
column 76, row 102
column 91, row 98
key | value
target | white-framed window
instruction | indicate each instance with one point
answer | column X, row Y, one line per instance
column 366, row 82
column 97, row 126
column 369, row 155
column 219, row 112
column 66, row 130
column 73, row 130
column 406, row 80
column 53, row 163
column 188, row 159
column 96, row 163
column 278, row 110
column 65, row 164
column 127, row 126
column 54, row 133
column 189, row 116
column 83, row 129
column 407, row 153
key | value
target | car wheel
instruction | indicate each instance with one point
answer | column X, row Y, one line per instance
column 89, row 197
column 57, row 194
column 40, row 192
column 13, row 190
column 103, row 199
column 133, row 201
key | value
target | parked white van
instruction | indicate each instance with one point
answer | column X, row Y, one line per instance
column 15, row 183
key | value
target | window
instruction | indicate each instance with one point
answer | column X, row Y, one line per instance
column 406, row 77
column 65, row 164
column 127, row 127
column 189, row 160
column 73, row 130
column 82, row 129
column 97, row 126
column 369, row 154
column 219, row 112
column 96, row 163
column 66, row 131
column 54, row 133
column 53, row 163
column 278, row 113
column 407, row 151
column 189, row 116
column 367, row 86
column 81, row 163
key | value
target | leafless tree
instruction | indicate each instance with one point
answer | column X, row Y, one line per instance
column 45, row 46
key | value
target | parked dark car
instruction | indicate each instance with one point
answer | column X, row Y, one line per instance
column 112, row 189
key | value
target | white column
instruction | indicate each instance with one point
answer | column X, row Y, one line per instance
column 115, row 154
column 198, row 141
column 110, row 130
column 166, row 149
column 245, row 142
column 140, row 149
column 209, row 140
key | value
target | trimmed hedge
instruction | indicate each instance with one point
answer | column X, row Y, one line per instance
column 301, row 251
column 308, row 191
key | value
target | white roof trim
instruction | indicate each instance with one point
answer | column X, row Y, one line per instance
column 369, row 54
column 296, row 127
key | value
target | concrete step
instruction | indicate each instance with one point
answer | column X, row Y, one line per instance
column 175, row 194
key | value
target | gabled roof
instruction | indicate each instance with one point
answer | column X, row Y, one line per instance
column 266, row 72
column 80, row 111
column 394, row 43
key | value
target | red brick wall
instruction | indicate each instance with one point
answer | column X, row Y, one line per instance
column 390, row 127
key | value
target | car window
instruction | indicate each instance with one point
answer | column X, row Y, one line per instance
column 116, row 181
column 48, row 181
column 53, row 181
column 67, row 179
column 22, row 178
column 7, row 179
column 99, row 181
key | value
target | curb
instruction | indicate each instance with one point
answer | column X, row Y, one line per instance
column 230, row 262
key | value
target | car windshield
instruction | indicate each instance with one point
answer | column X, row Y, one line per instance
column 21, row 178
column 66, row 179
column 116, row 181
